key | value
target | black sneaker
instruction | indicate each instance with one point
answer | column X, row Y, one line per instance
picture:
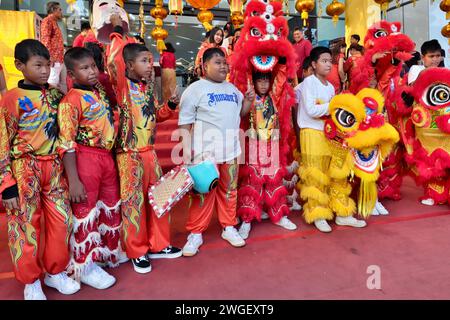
column 142, row 264
column 167, row 253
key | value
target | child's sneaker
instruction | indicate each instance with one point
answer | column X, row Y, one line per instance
column 244, row 230
column 428, row 202
column 122, row 256
column 34, row 291
column 96, row 277
column 62, row 283
column 232, row 236
column 381, row 209
column 264, row 215
column 322, row 225
column 194, row 241
column 142, row 264
column 167, row 253
column 286, row 223
column 350, row 221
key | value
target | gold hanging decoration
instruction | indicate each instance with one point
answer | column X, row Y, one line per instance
column 398, row 3
column 445, row 6
column 335, row 9
column 304, row 7
column 384, row 4
column 204, row 16
column 159, row 13
column 320, row 8
column 446, row 32
column 141, row 19
column 236, row 10
column 176, row 8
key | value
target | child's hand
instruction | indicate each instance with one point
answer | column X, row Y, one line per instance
column 250, row 93
column 77, row 193
column 11, row 204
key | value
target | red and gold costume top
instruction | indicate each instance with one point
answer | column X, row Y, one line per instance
column 85, row 117
column 138, row 109
column 28, row 126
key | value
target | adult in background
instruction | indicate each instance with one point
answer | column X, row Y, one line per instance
column 302, row 47
column 215, row 40
column 52, row 38
column 167, row 61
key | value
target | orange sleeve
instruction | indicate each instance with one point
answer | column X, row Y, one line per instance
column 46, row 32
column 6, row 134
column 384, row 81
column 278, row 82
column 68, row 120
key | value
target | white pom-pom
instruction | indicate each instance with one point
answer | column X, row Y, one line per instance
column 269, row 8
column 270, row 28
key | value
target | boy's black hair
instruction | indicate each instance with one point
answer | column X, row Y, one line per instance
column 261, row 75
column 140, row 39
column 27, row 48
column 85, row 26
column 169, row 47
column 307, row 63
column 75, row 54
column 97, row 53
column 317, row 52
column 213, row 33
column 51, row 6
column 132, row 50
column 297, row 29
column 357, row 47
column 430, row 47
column 356, row 37
column 209, row 53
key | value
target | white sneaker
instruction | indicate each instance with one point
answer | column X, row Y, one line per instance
column 122, row 256
column 350, row 221
column 428, row 202
column 244, row 230
column 264, row 215
column 295, row 206
column 194, row 241
column 286, row 223
column 62, row 283
column 381, row 209
column 232, row 236
column 34, row 291
column 322, row 225
column 374, row 211
column 96, row 277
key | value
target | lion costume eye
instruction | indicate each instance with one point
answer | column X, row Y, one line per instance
column 345, row 118
column 380, row 33
column 255, row 32
column 437, row 95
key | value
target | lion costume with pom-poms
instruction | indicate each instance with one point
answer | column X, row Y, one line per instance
column 359, row 140
column 384, row 38
column 426, row 133
column 264, row 47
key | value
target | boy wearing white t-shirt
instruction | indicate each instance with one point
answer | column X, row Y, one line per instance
column 313, row 96
column 210, row 109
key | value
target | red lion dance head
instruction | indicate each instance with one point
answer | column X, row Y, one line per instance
column 263, row 41
column 383, row 37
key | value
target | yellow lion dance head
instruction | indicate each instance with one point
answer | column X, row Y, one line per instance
column 360, row 139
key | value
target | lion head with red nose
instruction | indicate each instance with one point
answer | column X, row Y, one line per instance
column 263, row 41
column 383, row 37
